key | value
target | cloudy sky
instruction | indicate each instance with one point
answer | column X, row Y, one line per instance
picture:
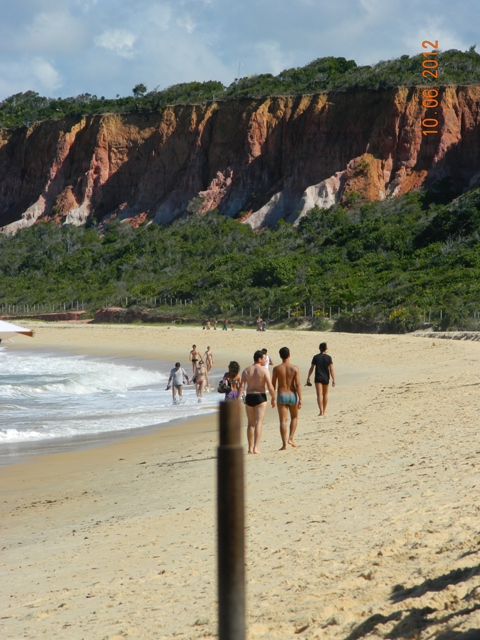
column 105, row 47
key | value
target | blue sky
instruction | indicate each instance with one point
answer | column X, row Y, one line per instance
column 105, row 47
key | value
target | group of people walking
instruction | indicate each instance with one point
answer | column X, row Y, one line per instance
column 285, row 381
column 284, row 388
column 201, row 367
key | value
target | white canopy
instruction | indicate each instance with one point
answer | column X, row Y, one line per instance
column 8, row 327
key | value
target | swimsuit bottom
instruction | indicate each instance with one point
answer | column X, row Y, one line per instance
column 322, row 380
column 288, row 397
column 254, row 399
column 194, row 359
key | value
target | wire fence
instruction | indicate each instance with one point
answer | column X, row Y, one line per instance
column 177, row 304
column 187, row 307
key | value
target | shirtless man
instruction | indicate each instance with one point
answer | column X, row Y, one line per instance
column 289, row 396
column 208, row 359
column 194, row 357
column 256, row 378
column 323, row 365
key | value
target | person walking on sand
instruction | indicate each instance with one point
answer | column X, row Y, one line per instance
column 256, row 379
column 225, row 325
column 323, row 365
column 230, row 383
column 268, row 360
column 177, row 375
column 208, row 359
column 286, row 378
column 194, row 357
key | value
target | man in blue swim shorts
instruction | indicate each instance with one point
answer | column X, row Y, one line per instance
column 286, row 378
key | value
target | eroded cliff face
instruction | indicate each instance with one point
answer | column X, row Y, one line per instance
column 258, row 160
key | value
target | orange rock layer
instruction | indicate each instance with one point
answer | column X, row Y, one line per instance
column 256, row 159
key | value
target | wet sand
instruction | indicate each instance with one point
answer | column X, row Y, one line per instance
column 368, row 529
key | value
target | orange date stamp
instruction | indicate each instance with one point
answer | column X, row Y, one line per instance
column 430, row 70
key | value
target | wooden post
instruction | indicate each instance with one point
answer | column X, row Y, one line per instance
column 230, row 525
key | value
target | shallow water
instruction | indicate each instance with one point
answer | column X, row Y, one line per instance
column 50, row 396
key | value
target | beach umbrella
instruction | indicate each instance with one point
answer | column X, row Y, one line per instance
column 9, row 327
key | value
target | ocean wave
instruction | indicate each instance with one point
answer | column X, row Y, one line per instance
column 46, row 397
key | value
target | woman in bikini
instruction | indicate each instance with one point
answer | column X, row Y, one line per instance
column 232, row 379
column 201, row 380
column 194, row 357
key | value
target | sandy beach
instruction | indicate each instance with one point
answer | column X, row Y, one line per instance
column 369, row 529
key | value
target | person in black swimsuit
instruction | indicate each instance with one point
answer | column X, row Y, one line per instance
column 255, row 379
column 194, row 357
column 323, row 365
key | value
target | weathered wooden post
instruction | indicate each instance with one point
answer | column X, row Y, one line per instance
column 230, row 525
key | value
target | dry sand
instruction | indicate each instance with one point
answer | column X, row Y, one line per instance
column 370, row 528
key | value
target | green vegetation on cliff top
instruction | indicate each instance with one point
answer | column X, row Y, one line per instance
column 393, row 261
column 324, row 74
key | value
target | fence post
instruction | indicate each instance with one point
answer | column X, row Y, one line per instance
column 230, row 525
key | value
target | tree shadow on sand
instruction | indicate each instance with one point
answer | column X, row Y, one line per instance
column 413, row 620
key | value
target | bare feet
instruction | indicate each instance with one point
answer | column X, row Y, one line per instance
column 256, row 451
column 283, row 449
column 250, row 451
column 292, row 443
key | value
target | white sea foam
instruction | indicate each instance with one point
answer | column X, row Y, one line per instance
column 51, row 396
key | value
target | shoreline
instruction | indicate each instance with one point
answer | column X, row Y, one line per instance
column 118, row 541
column 21, row 452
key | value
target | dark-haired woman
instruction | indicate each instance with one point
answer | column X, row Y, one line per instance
column 232, row 379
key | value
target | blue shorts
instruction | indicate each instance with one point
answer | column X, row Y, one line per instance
column 288, row 397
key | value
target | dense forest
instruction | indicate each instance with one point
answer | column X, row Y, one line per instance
column 324, row 74
column 394, row 262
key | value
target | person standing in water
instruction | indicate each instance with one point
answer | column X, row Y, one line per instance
column 208, row 359
column 286, row 377
column 256, row 379
column 201, row 380
column 323, row 365
column 177, row 375
column 194, row 357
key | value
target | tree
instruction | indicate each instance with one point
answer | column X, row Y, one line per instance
column 139, row 90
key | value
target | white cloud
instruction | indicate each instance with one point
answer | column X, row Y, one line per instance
column 52, row 33
column 164, row 42
column 273, row 59
column 86, row 5
column 158, row 15
column 46, row 73
column 434, row 30
column 187, row 22
column 120, row 41
column 373, row 7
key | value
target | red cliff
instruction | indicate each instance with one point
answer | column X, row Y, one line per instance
column 259, row 160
